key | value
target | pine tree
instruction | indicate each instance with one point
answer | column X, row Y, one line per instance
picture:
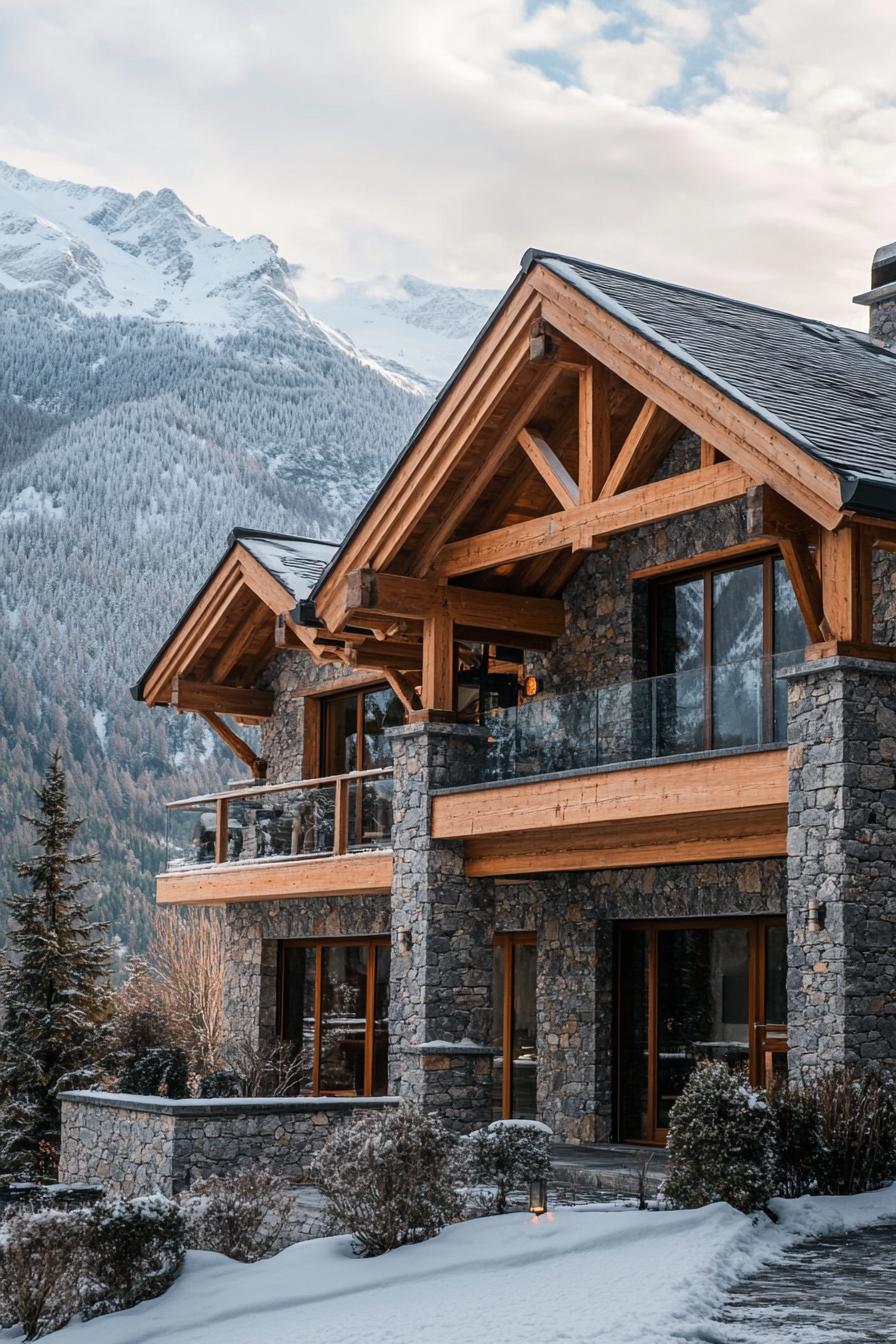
column 54, row 977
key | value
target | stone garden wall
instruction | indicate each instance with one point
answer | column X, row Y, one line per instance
column 134, row 1145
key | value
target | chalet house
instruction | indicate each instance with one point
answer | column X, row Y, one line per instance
column 578, row 754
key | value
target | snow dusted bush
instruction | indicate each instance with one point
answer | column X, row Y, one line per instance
column 41, row 1254
column 133, row 1250
column 507, row 1155
column 243, row 1215
column 160, row 1071
column 798, row 1145
column 857, row 1125
column 223, row 1083
column 389, row 1178
column 721, row 1142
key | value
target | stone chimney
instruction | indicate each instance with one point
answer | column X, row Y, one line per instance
column 881, row 297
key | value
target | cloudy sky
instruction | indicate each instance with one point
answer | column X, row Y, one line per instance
column 742, row 145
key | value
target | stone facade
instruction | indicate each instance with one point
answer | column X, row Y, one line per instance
column 136, row 1145
column 254, row 931
column 442, row 930
column 841, row 849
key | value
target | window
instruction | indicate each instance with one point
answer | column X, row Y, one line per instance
column 514, row 1027
column 691, row 990
column 717, row 639
column 334, row 1007
column 354, row 738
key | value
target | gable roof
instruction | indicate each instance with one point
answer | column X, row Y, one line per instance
column 828, row 389
column 295, row 563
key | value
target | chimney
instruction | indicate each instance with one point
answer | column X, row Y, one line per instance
column 881, row 297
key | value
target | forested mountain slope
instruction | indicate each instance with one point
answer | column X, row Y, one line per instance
column 131, row 441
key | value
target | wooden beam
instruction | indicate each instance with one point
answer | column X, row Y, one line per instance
column 284, row 635
column 222, row 829
column 646, row 444
column 404, row 689
column 742, row 436
column 233, row 650
column 368, row 593
column 759, row 832
column 549, row 467
column 604, row 517
column 806, row 583
column 365, row 874
column 200, row 696
column 595, row 449
column 709, row 455
column 437, row 692
column 470, row 489
column 680, row 789
column 235, row 743
column 549, row 347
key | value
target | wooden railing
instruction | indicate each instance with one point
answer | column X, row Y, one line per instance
column 216, row 845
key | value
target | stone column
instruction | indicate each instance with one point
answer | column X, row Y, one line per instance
column 841, row 848
column 440, row 988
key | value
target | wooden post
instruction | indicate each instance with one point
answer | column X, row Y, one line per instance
column 594, row 432
column 340, row 816
column 846, row 583
column 221, row 830
column 438, row 665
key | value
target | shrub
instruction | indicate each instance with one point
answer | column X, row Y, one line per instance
column 721, row 1142
column 508, row 1154
column 389, row 1178
column 243, row 1215
column 41, row 1254
column 273, row 1068
column 133, row 1250
column 798, row 1145
column 160, row 1071
column 223, row 1083
column 857, row 1125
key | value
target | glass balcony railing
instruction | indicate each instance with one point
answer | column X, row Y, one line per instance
column 731, row 705
column 307, row 819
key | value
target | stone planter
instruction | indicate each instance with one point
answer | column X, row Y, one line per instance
column 134, row 1145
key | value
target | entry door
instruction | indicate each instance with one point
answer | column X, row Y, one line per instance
column 689, row 991
column 513, row 1000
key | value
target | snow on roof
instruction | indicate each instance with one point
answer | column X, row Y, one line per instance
column 296, row 562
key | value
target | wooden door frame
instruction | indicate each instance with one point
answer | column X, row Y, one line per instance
column 508, row 939
column 755, row 926
column 373, row 943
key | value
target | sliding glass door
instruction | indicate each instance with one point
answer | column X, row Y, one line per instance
column 689, row 991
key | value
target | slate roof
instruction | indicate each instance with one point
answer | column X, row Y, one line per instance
column 296, row 562
column 826, row 388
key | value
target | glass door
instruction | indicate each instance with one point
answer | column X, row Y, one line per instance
column 355, row 738
column 690, row 991
column 515, row 1094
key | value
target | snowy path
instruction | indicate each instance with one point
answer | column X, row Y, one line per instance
column 836, row 1290
column 578, row 1276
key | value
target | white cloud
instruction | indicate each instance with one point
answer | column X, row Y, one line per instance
column 435, row 135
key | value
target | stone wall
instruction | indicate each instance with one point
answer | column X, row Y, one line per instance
column 283, row 734
column 253, row 931
column 134, row 1145
column 841, row 848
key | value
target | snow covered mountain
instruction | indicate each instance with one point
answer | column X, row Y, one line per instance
column 161, row 382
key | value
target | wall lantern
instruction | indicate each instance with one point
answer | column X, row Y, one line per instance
column 815, row 912
column 538, row 1196
column 531, row 685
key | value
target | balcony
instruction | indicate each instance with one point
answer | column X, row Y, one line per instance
column 316, row 837
column 672, row 769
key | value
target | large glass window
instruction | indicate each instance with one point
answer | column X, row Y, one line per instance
column 689, row 991
column 514, row 1030
column 718, row 639
column 334, row 1007
column 354, row 729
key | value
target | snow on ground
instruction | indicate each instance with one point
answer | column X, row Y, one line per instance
column 575, row 1276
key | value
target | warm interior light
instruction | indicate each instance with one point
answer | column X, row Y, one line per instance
column 531, row 686
column 538, row 1196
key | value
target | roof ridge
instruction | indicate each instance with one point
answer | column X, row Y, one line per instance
column 533, row 255
column 237, row 533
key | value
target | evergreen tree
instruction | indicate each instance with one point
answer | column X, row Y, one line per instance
column 54, row 980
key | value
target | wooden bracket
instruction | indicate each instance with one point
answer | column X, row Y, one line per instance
column 235, row 743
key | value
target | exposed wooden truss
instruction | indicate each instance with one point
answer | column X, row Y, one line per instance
column 217, row 699
column 234, row 742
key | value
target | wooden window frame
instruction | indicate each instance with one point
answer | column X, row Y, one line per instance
column 761, row 1049
column 508, row 940
column 326, row 745
column 373, row 943
column 706, row 572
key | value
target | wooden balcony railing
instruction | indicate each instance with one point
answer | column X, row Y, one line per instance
column 306, row 818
